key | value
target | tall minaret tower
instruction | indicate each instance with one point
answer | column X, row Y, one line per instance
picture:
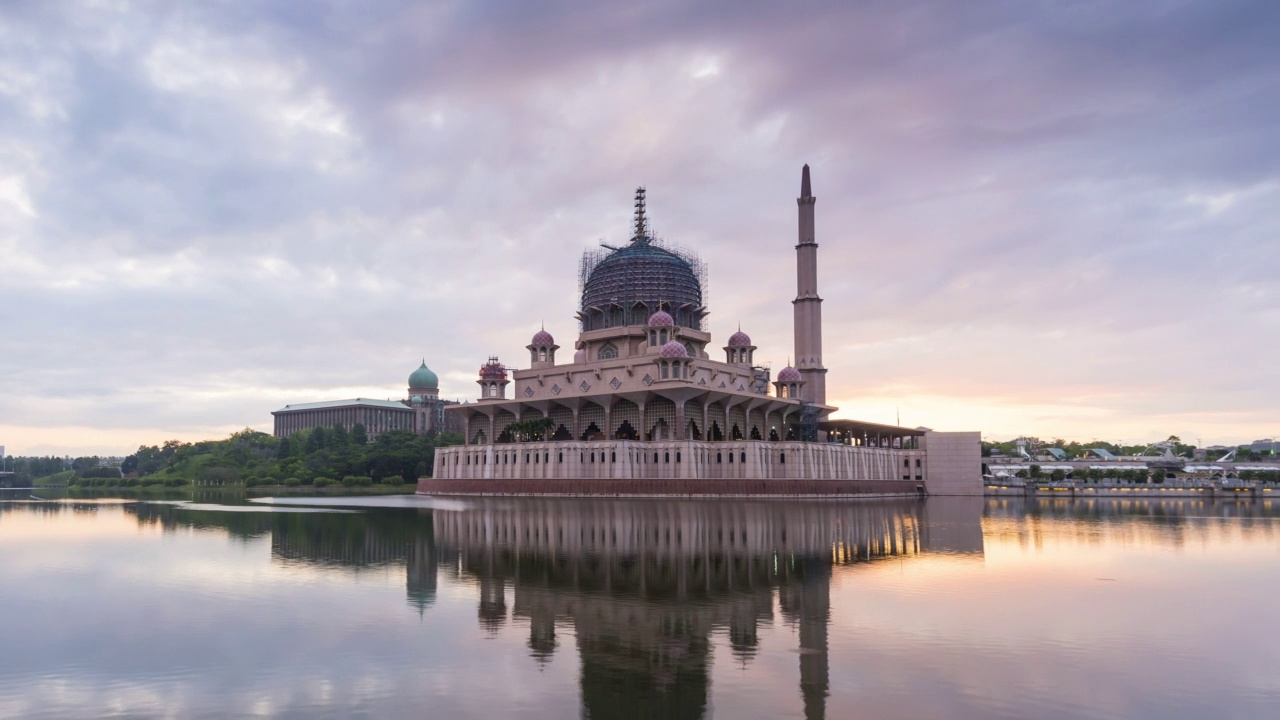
column 808, row 306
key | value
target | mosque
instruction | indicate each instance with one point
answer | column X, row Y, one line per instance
column 643, row 408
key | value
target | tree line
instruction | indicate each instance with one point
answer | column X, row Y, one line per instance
column 320, row 456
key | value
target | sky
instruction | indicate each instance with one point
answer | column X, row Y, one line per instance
column 1046, row 218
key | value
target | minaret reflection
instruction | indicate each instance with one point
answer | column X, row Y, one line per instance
column 645, row 585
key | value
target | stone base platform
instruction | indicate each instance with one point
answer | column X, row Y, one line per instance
column 653, row 487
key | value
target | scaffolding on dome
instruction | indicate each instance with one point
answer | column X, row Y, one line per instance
column 640, row 278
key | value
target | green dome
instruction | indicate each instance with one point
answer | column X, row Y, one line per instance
column 423, row 378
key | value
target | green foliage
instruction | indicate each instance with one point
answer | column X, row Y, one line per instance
column 254, row 458
column 357, row 481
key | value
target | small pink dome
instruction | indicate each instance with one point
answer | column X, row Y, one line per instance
column 580, row 356
column 673, row 349
column 739, row 339
column 788, row 374
column 542, row 337
column 661, row 319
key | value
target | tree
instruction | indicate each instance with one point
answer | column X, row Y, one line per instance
column 284, row 449
column 358, row 434
column 339, row 438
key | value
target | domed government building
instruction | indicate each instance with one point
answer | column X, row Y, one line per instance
column 421, row 412
column 648, row 405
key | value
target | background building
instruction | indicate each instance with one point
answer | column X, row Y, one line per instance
column 421, row 412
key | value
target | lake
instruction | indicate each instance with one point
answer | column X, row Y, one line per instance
column 399, row 606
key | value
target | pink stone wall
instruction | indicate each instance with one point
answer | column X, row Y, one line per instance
column 432, row 486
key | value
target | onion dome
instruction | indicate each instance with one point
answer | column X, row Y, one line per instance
column 739, row 339
column 621, row 283
column 580, row 355
column 493, row 370
column 424, row 378
column 789, row 374
column 542, row 337
column 673, row 349
column 661, row 319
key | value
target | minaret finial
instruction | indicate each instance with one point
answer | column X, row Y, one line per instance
column 806, row 190
column 642, row 224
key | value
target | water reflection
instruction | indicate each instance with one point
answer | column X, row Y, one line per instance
column 683, row 609
column 644, row 585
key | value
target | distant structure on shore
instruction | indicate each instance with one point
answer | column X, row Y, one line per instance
column 421, row 412
column 642, row 402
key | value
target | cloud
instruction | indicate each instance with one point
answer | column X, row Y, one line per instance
column 209, row 210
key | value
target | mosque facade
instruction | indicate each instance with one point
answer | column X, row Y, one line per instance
column 649, row 403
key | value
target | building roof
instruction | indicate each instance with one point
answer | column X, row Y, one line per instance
column 330, row 404
column 856, row 427
column 424, row 378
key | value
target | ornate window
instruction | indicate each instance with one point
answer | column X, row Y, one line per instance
column 608, row 352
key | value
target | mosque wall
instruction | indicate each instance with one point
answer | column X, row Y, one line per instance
column 677, row 460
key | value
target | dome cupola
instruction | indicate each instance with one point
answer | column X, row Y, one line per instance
column 739, row 339
column 788, row 374
column 661, row 319
column 621, row 286
column 423, row 378
column 674, row 349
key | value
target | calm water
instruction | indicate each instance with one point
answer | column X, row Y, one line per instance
column 405, row 607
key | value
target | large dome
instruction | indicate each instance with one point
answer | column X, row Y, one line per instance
column 624, row 286
column 424, row 378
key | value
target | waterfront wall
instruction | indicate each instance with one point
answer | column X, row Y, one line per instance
column 954, row 462
column 677, row 460
column 719, row 487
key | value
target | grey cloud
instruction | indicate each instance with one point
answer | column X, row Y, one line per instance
column 273, row 196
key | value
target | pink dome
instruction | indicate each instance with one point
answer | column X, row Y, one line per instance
column 788, row 374
column 542, row 337
column 673, row 349
column 580, row 356
column 661, row 319
column 739, row 339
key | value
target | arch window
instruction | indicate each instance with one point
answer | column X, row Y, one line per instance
column 608, row 351
column 718, row 458
column 653, row 338
column 662, row 337
column 666, row 369
column 542, row 354
column 743, row 458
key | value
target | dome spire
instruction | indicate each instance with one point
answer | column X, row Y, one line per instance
column 641, row 233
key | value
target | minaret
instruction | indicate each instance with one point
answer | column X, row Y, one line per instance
column 808, row 306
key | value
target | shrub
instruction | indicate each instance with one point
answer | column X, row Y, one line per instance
column 322, row 482
column 292, row 482
column 357, row 480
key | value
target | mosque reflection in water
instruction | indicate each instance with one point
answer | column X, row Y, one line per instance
column 643, row 585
